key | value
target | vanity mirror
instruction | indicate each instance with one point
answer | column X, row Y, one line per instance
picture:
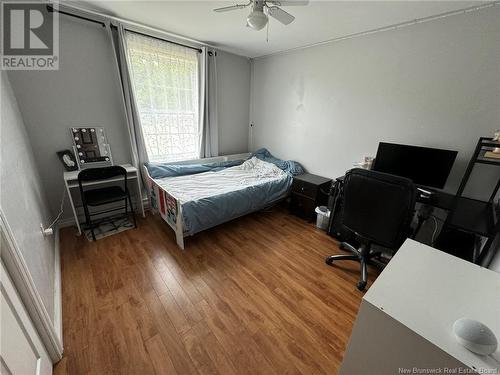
column 91, row 147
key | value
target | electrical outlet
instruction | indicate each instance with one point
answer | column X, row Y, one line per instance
column 46, row 232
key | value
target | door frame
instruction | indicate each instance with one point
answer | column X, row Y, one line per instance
column 13, row 306
column 21, row 277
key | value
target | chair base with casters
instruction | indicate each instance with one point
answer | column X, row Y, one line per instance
column 363, row 255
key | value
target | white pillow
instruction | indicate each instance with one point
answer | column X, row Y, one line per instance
column 261, row 168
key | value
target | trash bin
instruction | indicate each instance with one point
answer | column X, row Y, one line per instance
column 322, row 217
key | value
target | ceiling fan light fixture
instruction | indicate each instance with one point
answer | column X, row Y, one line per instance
column 257, row 20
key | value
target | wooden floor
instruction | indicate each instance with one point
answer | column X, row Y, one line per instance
column 252, row 296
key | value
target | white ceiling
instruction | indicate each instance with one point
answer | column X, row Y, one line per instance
column 316, row 22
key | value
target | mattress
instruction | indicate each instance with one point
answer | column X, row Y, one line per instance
column 211, row 198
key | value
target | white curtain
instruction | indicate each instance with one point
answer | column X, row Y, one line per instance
column 170, row 95
column 208, row 103
column 165, row 79
column 138, row 147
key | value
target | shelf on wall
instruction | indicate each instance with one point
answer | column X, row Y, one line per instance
column 485, row 160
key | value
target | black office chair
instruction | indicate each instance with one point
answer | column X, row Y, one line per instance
column 105, row 195
column 378, row 208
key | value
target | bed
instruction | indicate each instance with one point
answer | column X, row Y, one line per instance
column 192, row 197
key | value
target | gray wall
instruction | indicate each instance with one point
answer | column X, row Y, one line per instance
column 85, row 92
column 23, row 199
column 435, row 84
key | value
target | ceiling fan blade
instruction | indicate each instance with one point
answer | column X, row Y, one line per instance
column 284, row 17
column 287, row 3
column 231, row 7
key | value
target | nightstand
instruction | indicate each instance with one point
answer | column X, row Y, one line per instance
column 308, row 192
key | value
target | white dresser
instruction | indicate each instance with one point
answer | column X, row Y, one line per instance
column 405, row 320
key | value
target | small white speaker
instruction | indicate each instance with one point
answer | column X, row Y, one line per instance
column 475, row 336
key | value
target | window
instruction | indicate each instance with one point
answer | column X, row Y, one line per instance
column 165, row 80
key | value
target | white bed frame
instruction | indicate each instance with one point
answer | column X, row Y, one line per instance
column 169, row 206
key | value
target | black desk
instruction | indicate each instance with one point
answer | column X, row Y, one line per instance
column 438, row 198
column 470, row 215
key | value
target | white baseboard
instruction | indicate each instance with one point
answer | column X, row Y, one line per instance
column 57, row 287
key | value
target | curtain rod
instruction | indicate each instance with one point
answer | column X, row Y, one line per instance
column 51, row 9
column 103, row 19
column 162, row 39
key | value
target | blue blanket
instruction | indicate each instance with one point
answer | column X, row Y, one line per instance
column 291, row 167
column 161, row 170
column 208, row 212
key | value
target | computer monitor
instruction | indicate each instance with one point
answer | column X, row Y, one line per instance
column 423, row 165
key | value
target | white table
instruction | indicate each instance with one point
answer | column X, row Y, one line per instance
column 71, row 183
column 405, row 319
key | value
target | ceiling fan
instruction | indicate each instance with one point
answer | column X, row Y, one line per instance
column 261, row 9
